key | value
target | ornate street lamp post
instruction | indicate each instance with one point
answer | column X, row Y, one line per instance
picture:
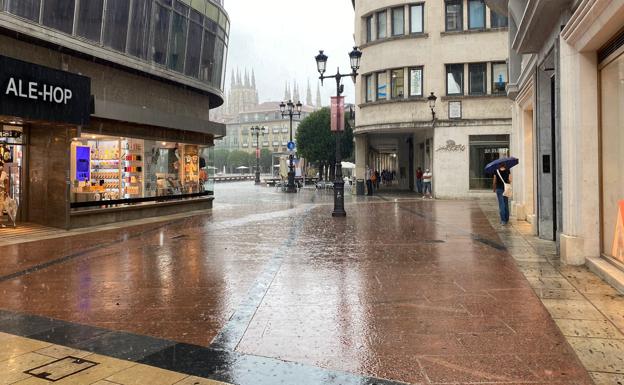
column 321, row 65
column 257, row 130
column 293, row 110
column 432, row 101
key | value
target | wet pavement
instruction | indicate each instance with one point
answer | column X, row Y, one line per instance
column 268, row 288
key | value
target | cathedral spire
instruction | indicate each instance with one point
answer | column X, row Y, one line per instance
column 253, row 78
column 296, row 92
column 232, row 82
column 239, row 82
column 247, row 84
column 286, row 96
column 309, row 95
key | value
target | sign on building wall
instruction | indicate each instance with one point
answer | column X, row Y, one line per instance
column 337, row 113
column 31, row 91
column 454, row 110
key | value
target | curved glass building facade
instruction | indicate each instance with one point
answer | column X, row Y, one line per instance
column 187, row 37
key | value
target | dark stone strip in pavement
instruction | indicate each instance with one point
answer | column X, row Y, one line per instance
column 233, row 331
column 228, row 366
column 475, row 237
column 69, row 257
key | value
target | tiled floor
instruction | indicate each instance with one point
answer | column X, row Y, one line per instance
column 588, row 311
column 24, row 354
column 401, row 291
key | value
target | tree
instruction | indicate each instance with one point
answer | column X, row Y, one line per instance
column 237, row 158
column 220, row 158
column 317, row 143
column 265, row 160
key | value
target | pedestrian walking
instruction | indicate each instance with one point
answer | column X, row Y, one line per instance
column 419, row 180
column 502, row 177
column 427, row 178
column 377, row 179
column 369, row 181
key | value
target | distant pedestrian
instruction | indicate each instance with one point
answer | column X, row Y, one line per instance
column 369, row 181
column 419, row 180
column 427, row 178
column 377, row 179
column 502, row 177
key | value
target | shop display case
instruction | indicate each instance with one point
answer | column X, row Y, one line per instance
column 132, row 168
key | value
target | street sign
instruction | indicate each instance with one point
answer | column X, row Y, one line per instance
column 290, row 146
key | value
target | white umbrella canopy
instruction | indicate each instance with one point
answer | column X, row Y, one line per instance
column 347, row 165
column 242, row 168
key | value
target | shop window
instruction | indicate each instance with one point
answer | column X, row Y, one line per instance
column 89, row 23
column 59, row 14
column 369, row 88
column 177, row 42
column 454, row 79
column 124, row 169
column 116, row 24
column 416, row 79
column 28, row 9
column 476, row 14
column 454, row 15
column 382, row 86
column 398, row 84
column 398, row 21
column 416, row 18
column 483, row 150
column 369, row 28
column 499, row 78
column 138, row 39
column 381, row 25
column 161, row 19
column 193, row 49
column 476, row 79
column 497, row 20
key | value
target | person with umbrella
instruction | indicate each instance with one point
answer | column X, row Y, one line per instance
column 501, row 184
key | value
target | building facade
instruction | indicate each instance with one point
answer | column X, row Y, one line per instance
column 567, row 84
column 265, row 115
column 456, row 49
column 105, row 106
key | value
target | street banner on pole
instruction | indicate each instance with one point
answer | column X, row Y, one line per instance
column 337, row 113
column 257, row 152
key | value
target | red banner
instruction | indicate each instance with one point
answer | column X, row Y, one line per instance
column 257, row 153
column 337, row 113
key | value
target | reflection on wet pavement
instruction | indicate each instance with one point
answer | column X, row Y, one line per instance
column 420, row 292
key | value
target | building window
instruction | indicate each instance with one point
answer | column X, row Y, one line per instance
column 160, row 38
column 138, row 39
column 476, row 79
column 476, row 14
column 483, row 150
column 454, row 79
column 89, row 23
column 59, row 14
column 381, row 25
column 499, row 77
column 116, row 25
column 398, row 84
column 398, row 21
column 415, row 81
column 28, row 9
column 177, row 42
column 369, row 28
column 207, row 61
column 193, row 49
column 498, row 21
column 369, row 88
column 416, row 18
column 382, row 86
column 454, row 15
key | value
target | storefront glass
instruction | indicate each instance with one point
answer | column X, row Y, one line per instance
column 612, row 98
column 483, row 150
column 133, row 170
column 12, row 156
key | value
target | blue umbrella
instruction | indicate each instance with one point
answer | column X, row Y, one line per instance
column 508, row 162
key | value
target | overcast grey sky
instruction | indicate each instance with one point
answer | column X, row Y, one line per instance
column 279, row 39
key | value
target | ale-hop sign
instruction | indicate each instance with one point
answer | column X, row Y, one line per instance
column 337, row 113
column 33, row 92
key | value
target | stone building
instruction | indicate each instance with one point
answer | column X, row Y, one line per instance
column 567, row 86
column 456, row 49
column 243, row 94
column 104, row 111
